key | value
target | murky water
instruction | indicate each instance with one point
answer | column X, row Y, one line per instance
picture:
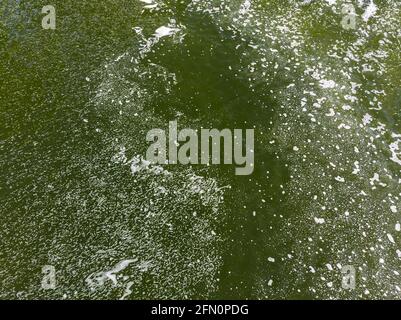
column 76, row 104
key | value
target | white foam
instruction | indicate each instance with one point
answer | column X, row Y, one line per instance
column 164, row 31
column 319, row 220
column 370, row 11
column 327, row 84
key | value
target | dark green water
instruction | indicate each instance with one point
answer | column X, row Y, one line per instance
column 76, row 104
